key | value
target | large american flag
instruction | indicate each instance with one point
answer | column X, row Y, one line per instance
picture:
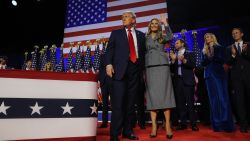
column 94, row 19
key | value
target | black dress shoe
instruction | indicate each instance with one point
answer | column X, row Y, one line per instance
column 142, row 126
column 229, row 130
column 130, row 137
column 181, row 127
column 169, row 136
column 103, row 125
column 243, row 130
column 195, row 128
column 114, row 139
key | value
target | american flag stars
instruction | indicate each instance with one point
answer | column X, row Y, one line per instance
column 3, row 108
column 36, row 109
column 86, row 10
column 48, row 109
column 94, row 109
column 67, row 108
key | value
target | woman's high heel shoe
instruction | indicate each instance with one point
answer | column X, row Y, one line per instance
column 152, row 135
column 169, row 136
column 169, row 131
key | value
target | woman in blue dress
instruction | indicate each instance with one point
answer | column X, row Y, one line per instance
column 216, row 82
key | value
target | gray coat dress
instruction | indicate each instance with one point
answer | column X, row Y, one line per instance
column 159, row 87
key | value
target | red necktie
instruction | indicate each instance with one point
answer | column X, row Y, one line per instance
column 131, row 46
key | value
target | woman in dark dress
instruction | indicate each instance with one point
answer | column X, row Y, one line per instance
column 216, row 82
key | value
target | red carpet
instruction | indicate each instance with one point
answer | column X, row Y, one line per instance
column 205, row 134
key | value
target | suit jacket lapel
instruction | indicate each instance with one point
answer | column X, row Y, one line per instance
column 185, row 53
column 124, row 36
column 137, row 38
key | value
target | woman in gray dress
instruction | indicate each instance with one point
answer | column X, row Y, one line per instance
column 160, row 94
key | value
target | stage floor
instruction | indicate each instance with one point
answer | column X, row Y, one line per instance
column 205, row 134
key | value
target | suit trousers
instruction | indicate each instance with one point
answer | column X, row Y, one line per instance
column 123, row 100
column 240, row 94
column 184, row 95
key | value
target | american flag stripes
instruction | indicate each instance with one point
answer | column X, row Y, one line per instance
column 45, row 57
column 41, row 59
column 60, row 65
column 108, row 17
column 34, row 58
column 70, row 62
column 78, row 65
column 196, row 49
column 87, row 60
column 96, row 63
column 53, row 56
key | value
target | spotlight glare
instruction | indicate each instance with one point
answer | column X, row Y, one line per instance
column 14, row 3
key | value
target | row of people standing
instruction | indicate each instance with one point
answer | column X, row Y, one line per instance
column 126, row 58
column 222, row 65
column 217, row 84
column 130, row 52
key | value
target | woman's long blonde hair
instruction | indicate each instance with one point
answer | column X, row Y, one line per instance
column 48, row 67
column 159, row 32
column 215, row 42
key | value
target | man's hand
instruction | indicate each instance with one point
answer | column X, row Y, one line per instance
column 110, row 70
column 181, row 58
column 244, row 47
column 172, row 55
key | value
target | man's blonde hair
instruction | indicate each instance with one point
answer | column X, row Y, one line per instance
column 131, row 13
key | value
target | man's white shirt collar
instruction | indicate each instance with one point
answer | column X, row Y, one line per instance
column 241, row 43
column 181, row 52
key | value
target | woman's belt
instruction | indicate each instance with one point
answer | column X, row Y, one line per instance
column 157, row 65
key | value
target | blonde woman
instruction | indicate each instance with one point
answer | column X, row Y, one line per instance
column 48, row 67
column 159, row 87
column 216, row 82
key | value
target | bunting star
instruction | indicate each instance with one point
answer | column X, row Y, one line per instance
column 3, row 108
column 36, row 109
column 67, row 108
column 94, row 109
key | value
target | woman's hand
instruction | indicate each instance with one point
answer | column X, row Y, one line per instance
column 163, row 19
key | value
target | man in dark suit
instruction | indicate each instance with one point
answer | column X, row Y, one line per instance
column 106, row 87
column 238, row 58
column 125, row 61
column 183, row 63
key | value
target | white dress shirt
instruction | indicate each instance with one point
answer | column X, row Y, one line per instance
column 241, row 44
column 180, row 52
